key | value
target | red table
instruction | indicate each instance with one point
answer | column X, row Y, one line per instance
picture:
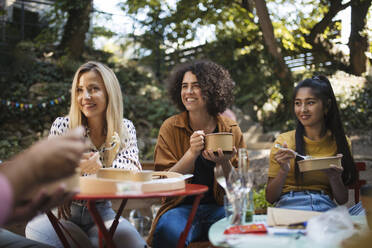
column 190, row 189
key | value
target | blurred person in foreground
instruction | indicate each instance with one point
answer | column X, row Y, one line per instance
column 44, row 162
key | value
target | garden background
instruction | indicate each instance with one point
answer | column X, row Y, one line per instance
column 267, row 46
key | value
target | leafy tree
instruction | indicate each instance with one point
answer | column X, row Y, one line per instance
column 281, row 70
column 245, row 30
column 77, row 25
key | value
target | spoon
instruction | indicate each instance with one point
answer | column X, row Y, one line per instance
column 294, row 152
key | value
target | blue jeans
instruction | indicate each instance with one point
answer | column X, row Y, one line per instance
column 172, row 223
column 305, row 200
column 83, row 229
column 308, row 200
column 357, row 209
column 12, row 240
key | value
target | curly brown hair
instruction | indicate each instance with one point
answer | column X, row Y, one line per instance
column 214, row 80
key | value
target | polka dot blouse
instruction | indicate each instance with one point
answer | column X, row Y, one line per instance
column 127, row 157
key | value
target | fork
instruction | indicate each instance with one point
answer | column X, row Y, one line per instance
column 295, row 153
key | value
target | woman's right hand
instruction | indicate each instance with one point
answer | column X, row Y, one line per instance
column 197, row 142
column 283, row 157
column 90, row 163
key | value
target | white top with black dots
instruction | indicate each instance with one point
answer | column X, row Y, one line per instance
column 127, row 157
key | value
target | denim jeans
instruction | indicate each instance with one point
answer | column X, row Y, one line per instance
column 306, row 200
column 172, row 223
column 357, row 209
column 12, row 240
column 83, row 229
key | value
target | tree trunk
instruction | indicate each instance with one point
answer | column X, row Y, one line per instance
column 358, row 40
column 322, row 47
column 77, row 25
column 336, row 6
column 281, row 70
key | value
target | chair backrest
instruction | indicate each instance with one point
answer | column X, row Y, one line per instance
column 360, row 166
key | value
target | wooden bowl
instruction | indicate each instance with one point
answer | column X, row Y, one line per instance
column 319, row 163
column 225, row 141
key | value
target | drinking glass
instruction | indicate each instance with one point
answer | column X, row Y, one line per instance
column 228, row 207
column 220, row 176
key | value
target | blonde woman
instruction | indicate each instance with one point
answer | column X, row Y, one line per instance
column 96, row 104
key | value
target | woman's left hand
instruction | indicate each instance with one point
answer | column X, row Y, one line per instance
column 221, row 158
column 334, row 171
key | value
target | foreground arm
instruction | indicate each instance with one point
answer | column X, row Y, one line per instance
column 46, row 161
column 41, row 202
column 339, row 190
column 187, row 163
column 221, row 159
column 275, row 185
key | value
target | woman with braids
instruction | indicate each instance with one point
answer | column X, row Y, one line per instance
column 319, row 133
column 201, row 90
column 96, row 104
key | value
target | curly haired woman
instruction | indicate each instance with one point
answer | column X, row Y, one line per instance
column 202, row 90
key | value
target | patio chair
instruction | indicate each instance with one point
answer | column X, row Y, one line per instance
column 360, row 166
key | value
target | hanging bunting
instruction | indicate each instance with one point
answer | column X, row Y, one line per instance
column 26, row 106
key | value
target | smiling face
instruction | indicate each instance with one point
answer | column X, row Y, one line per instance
column 91, row 95
column 191, row 93
column 308, row 108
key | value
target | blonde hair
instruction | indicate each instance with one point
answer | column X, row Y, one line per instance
column 114, row 109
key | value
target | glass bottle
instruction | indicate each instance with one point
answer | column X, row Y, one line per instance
column 247, row 182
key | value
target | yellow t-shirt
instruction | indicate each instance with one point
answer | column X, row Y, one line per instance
column 312, row 180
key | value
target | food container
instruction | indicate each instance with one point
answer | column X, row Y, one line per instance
column 114, row 183
column 126, row 175
column 312, row 164
column 225, row 141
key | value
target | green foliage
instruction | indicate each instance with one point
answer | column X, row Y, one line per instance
column 259, row 199
column 145, row 103
column 36, row 79
column 102, row 32
column 9, row 147
column 236, row 42
column 356, row 111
